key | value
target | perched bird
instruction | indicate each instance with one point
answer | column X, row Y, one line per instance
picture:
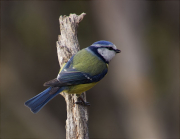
column 83, row 70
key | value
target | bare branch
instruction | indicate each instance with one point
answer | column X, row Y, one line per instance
column 67, row 45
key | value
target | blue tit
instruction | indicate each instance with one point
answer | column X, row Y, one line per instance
column 83, row 71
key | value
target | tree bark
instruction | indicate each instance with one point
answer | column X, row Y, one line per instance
column 67, row 45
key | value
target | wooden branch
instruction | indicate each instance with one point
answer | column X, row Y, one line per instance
column 67, row 45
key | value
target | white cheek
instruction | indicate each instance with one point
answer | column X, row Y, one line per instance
column 110, row 55
column 107, row 54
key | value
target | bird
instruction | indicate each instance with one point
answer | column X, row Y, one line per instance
column 82, row 71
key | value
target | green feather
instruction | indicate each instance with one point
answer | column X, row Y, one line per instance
column 84, row 61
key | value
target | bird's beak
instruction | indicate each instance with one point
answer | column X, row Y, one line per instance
column 117, row 50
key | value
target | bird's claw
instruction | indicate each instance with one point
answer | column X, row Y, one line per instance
column 83, row 103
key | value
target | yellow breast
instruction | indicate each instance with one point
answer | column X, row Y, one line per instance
column 78, row 89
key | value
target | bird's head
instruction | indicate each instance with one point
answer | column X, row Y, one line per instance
column 106, row 49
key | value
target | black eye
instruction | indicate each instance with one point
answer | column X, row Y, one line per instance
column 110, row 48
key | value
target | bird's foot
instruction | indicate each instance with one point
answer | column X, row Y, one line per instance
column 82, row 102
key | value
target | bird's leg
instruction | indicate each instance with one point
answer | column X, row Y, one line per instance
column 82, row 102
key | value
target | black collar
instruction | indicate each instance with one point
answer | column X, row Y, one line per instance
column 94, row 50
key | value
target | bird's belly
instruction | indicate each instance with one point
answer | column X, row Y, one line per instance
column 78, row 89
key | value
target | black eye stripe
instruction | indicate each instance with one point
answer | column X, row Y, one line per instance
column 110, row 48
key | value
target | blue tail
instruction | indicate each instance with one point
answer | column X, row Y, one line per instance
column 37, row 102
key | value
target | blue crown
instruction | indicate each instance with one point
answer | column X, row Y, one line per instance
column 102, row 43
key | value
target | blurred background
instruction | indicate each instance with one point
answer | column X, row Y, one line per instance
column 139, row 97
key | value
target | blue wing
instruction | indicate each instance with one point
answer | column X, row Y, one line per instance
column 71, row 76
column 74, row 77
